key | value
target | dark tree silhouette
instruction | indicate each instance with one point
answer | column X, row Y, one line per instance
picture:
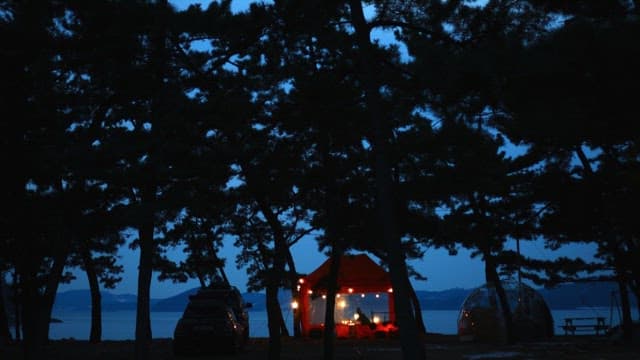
column 581, row 118
column 5, row 332
column 40, row 203
column 293, row 119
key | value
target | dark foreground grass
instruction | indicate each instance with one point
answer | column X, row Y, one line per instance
column 437, row 347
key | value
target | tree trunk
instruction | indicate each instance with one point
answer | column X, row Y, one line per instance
column 211, row 250
column 143, row 316
column 273, row 319
column 95, row 334
column 5, row 331
column 627, row 322
column 159, row 58
column 412, row 347
column 203, row 284
column 36, row 307
column 33, row 343
column 634, row 283
column 417, row 310
column 17, row 306
column 295, row 296
column 636, row 292
column 18, row 321
column 492, row 278
column 275, row 277
column 331, row 232
column 283, row 324
column 329, row 314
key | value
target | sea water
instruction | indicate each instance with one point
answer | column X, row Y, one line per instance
column 120, row 325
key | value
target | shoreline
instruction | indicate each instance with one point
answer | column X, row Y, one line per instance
column 437, row 346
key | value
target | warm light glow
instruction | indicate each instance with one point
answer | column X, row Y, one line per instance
column 376, row 320
column 301, row 281
column 350, row 290
column 298, row 287
column 390, row 290
column 356, row 316
column 310, row 292
column 342, row 304
column 337, row 295
column 377, row 296
column 361, row 295
column 294, row 304
column 324, row 296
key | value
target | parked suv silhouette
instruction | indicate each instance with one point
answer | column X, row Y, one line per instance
column 215, row 320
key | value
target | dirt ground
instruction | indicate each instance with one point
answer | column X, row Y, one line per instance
column 436, row 346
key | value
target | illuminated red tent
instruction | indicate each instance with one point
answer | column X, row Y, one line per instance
column 361, row 284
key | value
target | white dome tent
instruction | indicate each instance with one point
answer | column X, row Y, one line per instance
column 481, row 314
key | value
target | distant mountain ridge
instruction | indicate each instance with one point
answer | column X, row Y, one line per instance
column 257, row 300
column 566, row 296
column 563, row 297
column 80, row 300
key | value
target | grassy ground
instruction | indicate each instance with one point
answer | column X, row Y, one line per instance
column 437, row 347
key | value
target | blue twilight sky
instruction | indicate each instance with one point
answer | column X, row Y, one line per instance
column 442, row 270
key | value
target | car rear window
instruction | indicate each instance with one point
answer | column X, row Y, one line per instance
column 206, row 308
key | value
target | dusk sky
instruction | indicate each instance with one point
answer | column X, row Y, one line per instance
column 443, row 271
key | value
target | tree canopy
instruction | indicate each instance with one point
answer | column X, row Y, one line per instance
column 292, row 119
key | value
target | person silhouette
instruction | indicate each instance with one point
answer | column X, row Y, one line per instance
column 362, row 318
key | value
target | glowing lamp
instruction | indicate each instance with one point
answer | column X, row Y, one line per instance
column 310, row 292
column 350, row 290
column 294, row 304
column 356, row 316
column 342, row 304
column 377, row 296
column 390, row 290
column 324, row 296
column 301, row 281
column 361, row 295
column 376, row 320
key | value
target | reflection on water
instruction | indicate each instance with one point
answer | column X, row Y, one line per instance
column 120, row 325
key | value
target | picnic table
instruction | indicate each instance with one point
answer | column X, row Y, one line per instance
column 594, row 324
